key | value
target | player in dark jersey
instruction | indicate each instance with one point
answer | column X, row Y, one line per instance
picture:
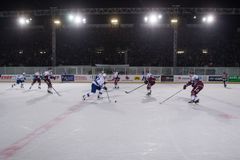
column 36, row 78
column 197, row 87
column 150, row 80
column 224, row 79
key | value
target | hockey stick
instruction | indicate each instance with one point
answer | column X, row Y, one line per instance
column 171, row 96
column 56, row 92
column 134, row 89
column 108, row 97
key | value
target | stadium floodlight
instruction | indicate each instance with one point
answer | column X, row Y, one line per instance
column 208, row 19
column 24, row 21
column 114, row 21
column 56, row 21
column 76, row 19
column 180, row 52
column 174, row 21
column 204, row 51
column 42, row 52
column 70, row 17
column 20, row 52
column 152, row 18
column 84, row 20
column 146, row 19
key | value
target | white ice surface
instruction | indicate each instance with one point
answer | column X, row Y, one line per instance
column 35, row 125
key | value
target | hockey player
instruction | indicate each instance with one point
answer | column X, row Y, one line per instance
column 36, row 78
column 150, row 80
column 116, row 79
column 20, row 79
column 47, row 76
column 197, row 87
column 224, row 79
column 97, row 84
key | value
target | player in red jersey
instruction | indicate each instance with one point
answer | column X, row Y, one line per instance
column 150, row 80
column 116, row 79
column 197, row 87
column 47, row 76
column 36, row 78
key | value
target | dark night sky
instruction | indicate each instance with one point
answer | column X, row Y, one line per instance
column 40, row 4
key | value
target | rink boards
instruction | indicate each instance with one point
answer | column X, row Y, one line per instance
column 127, row 78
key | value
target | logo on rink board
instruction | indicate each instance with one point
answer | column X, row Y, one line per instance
column 214, row 78
column 167, row 78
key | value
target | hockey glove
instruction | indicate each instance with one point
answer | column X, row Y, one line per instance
column 185, row 86
column 146, row 82
column 105, row 88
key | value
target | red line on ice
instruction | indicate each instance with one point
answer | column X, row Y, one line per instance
column 228, row 116
column 20, row 144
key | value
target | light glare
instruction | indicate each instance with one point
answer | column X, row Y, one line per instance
column 24, row 21
column 76, row 19
column 174, row 21
column 208, row 19
column 152, row 18
column 57, row 22
column 114, row 21
column 180, row 52
column 146, row 19
column 70, row 17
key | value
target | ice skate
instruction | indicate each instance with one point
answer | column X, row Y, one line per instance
column 49, row 91
column 196, row 101
column 191, row 101
column 149, row 93
column 99, row 97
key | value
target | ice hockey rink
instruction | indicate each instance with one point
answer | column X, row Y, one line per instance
column 36, row 125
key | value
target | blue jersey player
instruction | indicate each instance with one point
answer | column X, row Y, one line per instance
column 20, row 79
column 97, row 84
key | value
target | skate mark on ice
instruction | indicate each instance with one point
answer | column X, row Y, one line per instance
column 148, row 99
column 35, row 100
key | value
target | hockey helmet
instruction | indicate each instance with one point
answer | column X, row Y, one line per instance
column 149, row 75
column 104, row 75
column 195, row 77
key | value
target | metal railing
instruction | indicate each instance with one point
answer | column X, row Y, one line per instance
column 85, row 70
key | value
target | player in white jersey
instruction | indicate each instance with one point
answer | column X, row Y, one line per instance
column 20, row 79
column 97, row 84
column 36, row 78
column 116, row 79
column 47, row 76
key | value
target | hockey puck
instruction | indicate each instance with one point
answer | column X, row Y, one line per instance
column 115, row 101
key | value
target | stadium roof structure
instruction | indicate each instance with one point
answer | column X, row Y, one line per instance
column 175, row 10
